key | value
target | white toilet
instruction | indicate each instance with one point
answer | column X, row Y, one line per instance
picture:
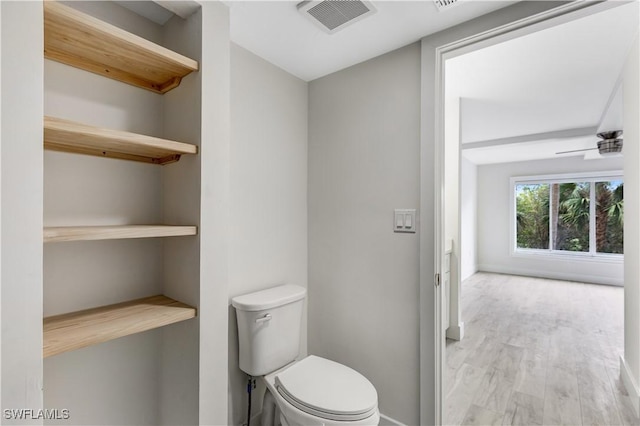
column 312, row 391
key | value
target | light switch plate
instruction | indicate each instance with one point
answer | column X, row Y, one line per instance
column 404, row 220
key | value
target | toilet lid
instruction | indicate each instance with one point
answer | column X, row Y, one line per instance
column 327, row 389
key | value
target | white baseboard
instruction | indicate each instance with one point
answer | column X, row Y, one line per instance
column 455, row 332
column 630, row 384
column 384, row 420
column 388, row 421
column 566, row 276
column 256, row 419
column 473, row 270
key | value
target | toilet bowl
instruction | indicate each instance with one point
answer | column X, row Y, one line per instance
column 307, row 392
column 318, row 391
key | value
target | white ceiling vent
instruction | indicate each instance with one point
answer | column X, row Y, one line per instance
column 334, row 15
column 445, row 4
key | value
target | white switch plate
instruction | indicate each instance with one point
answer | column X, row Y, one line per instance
column 404, row 220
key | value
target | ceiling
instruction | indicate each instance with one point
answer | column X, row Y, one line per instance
column 548, row 82
column 561, row 78
column 277, row 32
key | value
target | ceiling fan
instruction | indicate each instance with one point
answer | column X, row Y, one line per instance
column 610, row 143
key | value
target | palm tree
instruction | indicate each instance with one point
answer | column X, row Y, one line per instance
column 610, row 219
column 603, row 203
column 574, row 215
column 616, row 209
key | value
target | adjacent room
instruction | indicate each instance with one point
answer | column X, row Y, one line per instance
column 334, row 212
column 537, row 328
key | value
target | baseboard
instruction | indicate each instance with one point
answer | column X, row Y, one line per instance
column 256, row 419
column 388, row 421
column 630, row 385
column 474, row 269
column 455, row 332
column 565, row 276
column 384, row 420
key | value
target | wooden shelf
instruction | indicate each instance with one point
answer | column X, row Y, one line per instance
column 77, row 330
column 89, row 233
column 84, row 42
column 68, row 136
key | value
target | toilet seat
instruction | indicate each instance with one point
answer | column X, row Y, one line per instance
column 327, row 389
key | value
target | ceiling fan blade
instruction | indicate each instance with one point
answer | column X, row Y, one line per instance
column 575, row 150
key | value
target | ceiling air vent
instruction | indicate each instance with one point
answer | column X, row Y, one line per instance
column 445, row 4
column 334, row 15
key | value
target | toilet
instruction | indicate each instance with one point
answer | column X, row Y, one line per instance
column 306, row 392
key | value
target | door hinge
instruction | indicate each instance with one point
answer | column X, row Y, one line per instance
column 437, row 280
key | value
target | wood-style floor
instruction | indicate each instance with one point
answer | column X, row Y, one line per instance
column 537, row 352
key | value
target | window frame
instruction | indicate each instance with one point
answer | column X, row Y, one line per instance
column 592, row 178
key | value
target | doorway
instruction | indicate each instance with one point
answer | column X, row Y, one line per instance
column 555, row 18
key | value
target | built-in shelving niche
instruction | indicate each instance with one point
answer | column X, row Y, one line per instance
column 82, row 41
column 58, row 234
column 69, row 136
column 77, row 330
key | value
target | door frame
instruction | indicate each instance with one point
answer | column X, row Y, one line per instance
column 564, row 13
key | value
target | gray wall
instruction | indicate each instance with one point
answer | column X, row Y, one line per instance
column 364, row 138
column 268, row 204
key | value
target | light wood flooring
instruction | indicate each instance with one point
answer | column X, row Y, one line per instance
column 537, row 352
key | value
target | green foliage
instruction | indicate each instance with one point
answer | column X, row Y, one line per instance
column 573, row 210
column 576, row 245
column 570, row 217
column 574, row 204
column 615, row 210
column 610, row 217
column 532, row 207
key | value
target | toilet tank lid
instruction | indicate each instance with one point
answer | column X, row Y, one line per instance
column 269, row 298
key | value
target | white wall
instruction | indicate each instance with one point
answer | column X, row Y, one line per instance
column 363, row 278
column 452, row 170
column 21, row 244
column 630, row 363
column 452, row 217
column 613, row 117
column 494, row 222
column 268, row 204
column 468, row 218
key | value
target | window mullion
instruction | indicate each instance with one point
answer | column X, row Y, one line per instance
column 592, row 217
column 551, row 231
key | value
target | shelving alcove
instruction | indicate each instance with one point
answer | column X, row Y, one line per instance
column 85, row 42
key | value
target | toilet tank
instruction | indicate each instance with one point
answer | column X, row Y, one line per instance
column 269, row 323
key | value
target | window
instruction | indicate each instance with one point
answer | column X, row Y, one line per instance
column 556, row 214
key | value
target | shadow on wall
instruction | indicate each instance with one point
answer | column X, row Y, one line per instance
column 238, row 381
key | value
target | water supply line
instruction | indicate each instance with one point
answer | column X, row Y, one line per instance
column 251, row 384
